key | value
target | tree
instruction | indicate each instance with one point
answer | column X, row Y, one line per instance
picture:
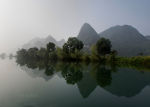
column 32, row 53
column 50, row 47
column 72, row 73
column 140, row 54
column 113, row 55
column 103, row 46
column 42, row 53
column 49, row 71
column 72, row 44
column 94, row 55
column 22, row 53
column 22, row 56
column 51, row 54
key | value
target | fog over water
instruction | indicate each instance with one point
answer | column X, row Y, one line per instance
column 23, row 20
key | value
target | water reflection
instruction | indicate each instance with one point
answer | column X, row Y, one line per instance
column 116, row 80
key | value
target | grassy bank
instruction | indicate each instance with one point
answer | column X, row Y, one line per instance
column 138, row 61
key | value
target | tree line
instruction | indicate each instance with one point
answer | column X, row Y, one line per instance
column 72, row 50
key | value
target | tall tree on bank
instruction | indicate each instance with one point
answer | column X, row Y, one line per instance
column 50, row 47
column 32, row 52
column 51, row 53
column 72, row 45
column 103, row 46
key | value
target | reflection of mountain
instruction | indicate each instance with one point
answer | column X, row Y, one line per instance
column 86, row 85
column 125, row 82
column 36, row 73
column 128, row 82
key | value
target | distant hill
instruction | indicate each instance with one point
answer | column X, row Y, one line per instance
column 41, row 42
column 127, row 40
column 88, row 35
column 125, row 33
column 148, row 37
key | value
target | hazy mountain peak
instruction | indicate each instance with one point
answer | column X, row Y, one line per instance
column 87, row 34
column 41, row 42
column 62, row 40
column 49, row 37
column 86, row 25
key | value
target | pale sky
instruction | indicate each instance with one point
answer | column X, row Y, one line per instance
column 23, row 20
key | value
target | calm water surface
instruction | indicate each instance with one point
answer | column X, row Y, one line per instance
column 72, row 85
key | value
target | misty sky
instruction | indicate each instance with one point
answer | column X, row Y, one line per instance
column 22, row 20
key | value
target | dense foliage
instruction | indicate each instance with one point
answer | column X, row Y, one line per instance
column 72, row 45
column 103, row 46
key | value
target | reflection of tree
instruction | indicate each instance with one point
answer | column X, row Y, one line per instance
column 102, row 74
column 72, row 73
column 127, row 82
column 20, row 62
column 103, row 77
column 2, row 55
column 32, row 64
column 49, row 70
column 41, row 64
column 113, row 68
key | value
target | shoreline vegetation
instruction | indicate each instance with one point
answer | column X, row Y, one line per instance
column 73, row 51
